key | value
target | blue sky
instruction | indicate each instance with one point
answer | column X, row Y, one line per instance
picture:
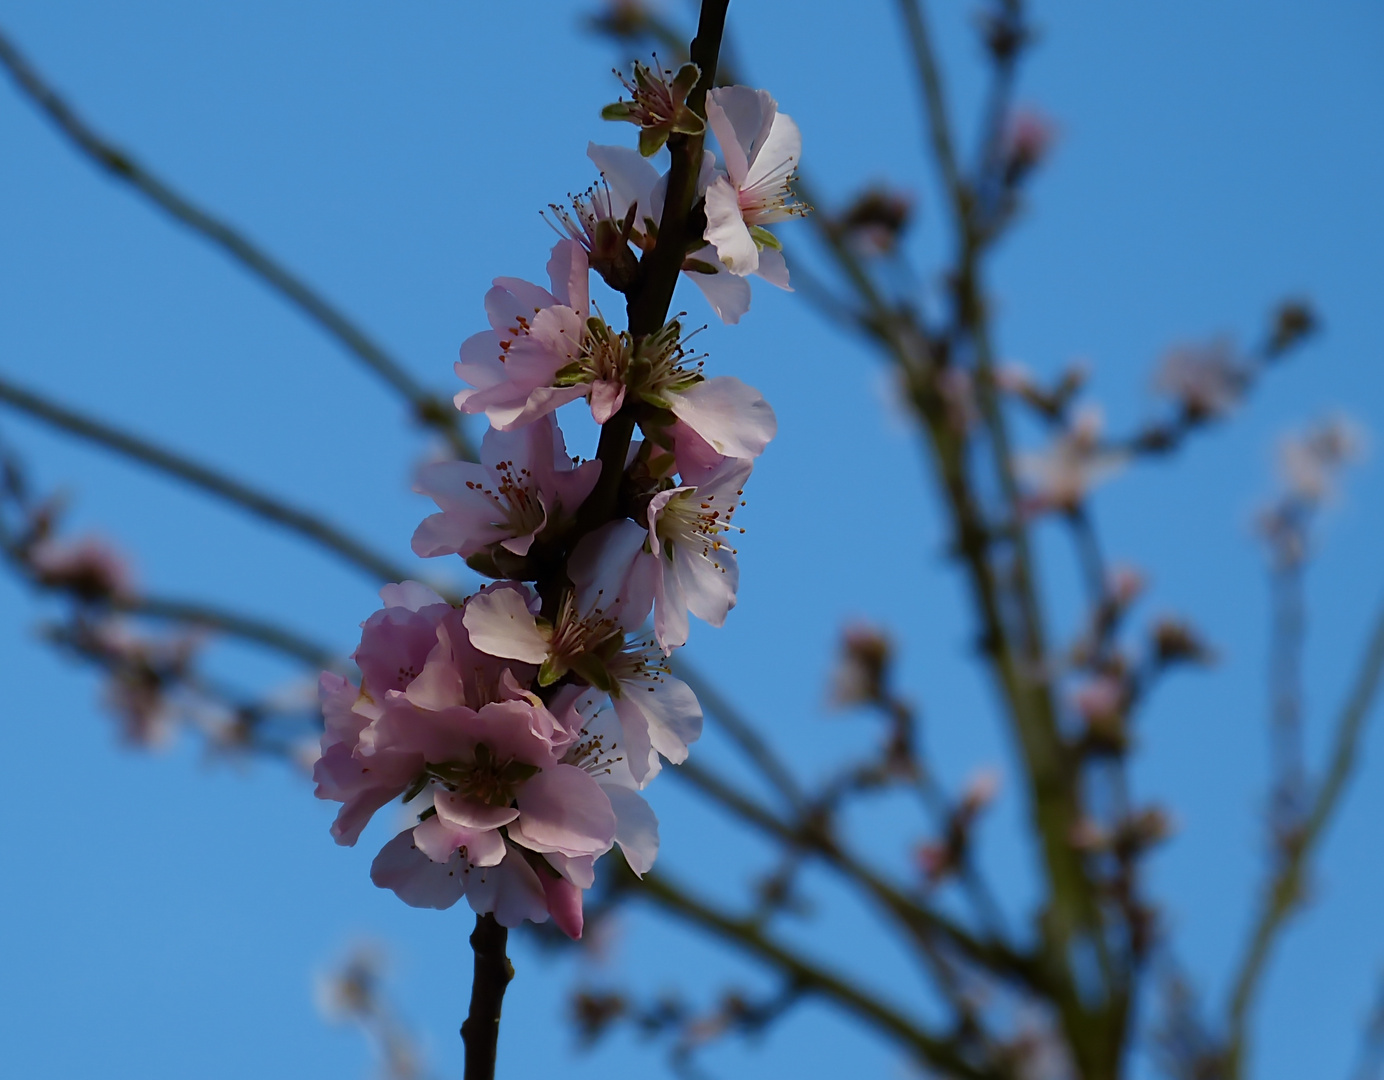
column 165, row 913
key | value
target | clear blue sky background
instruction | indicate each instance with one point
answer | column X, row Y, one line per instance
column 162, row 915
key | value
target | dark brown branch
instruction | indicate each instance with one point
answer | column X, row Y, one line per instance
column 493, row 972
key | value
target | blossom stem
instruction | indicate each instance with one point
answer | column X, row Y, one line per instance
column 649, row 303
column 427, row 407
column 481, row 1031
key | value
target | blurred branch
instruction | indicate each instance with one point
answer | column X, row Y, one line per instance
column 921, row 922
column 205, row 478
column 743, row 734
column 940, row 1053
column 247, row 628
column 935, row 102
column 1284, row 893
column 1371, row 1064
column 428, row 408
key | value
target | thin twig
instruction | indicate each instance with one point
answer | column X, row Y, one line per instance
column 940, row 1053
column 742, row 733
column 204, row 478
column 233, row 624
column 427, row 407
column 1284, row 893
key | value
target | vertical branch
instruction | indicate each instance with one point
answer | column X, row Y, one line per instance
column 1284, row 892
column 1285, row 679
column 481, row 1031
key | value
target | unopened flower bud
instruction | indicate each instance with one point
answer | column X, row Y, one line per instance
column 1175, row 641
column 862, row 672
column 1293, row 321
column 876, row 220
column 1126, row 584
column 1027, row 141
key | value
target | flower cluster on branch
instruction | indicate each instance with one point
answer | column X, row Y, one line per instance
column 520, row 726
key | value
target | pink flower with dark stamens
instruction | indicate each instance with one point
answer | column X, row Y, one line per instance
column 524, row 482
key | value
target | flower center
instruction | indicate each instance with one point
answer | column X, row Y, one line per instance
column 484, row 778
column 695, row 520
column 514, row 497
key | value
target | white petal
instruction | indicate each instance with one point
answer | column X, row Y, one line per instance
column 636, row 828
column 627, row 173
column 500, row 624
column 732, row 417
column 726, row 230
column 413, row 595
column 728, row 295
column 773, row 268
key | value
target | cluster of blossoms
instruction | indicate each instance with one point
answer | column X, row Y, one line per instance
column 520, row 726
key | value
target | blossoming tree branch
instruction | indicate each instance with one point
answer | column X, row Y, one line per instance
column 518, row 726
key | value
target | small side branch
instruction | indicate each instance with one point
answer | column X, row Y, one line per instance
column 204, row 478
column 428, row 408
column 1283, row 894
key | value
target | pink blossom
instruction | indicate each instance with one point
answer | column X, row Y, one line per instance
column 534, row 334
column 613, row 575
column 1072, row 465
column 1205, row 380
column 515, row 801
column 1311, row 461
column 524, row 482
column 696, row 570
column 761, row 147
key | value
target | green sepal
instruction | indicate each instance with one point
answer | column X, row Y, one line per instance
column 686, row 122
column 651, row 140
column 684, row 80
column 619, row 110
column 551, row 670
column 697, row 266
column 763, row 238
column 416, row 788
column 570, row 375
column 592, row 668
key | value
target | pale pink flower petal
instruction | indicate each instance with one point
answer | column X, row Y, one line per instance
column 501, row 624
column 439, row 839
column 416, row 879
column 733, row 418
column 663, row 706
column 510, row 891
column 413, row 595
column 464, row 812
column 773, row 268
column 728, row 295
column 636, row 828
column 726, row 230
column 563, row 809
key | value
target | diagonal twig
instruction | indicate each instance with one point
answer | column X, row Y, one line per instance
column 204, row 478
column 427, row 407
